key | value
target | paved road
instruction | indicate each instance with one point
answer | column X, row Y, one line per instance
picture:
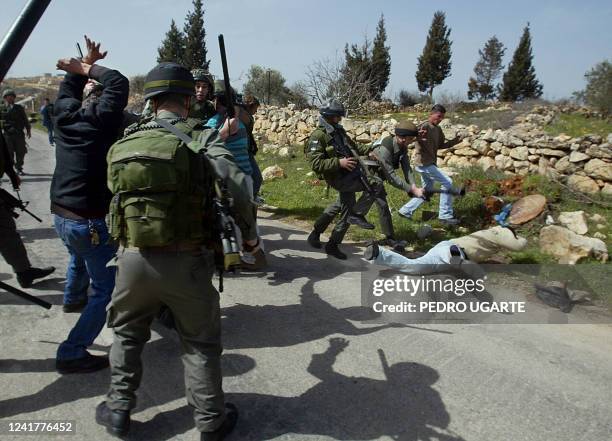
column 301, row 365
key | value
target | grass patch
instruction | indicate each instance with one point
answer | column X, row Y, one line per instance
column 575, row 125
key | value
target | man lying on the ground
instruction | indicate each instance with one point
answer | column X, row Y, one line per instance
column 473, row 248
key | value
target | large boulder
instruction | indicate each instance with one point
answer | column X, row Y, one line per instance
column 583, row 184
column 568, row 247
column 526, row 209
column 598, row 169
column 575, row 221
column 486, row 163
column 273, row 172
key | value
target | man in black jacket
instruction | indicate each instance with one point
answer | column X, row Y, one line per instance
column 84, row 131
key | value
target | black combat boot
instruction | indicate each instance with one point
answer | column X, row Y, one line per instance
column 231, row 416
column 371, row 252
column 117, row 422
column 360, row 221
column 25, row 278
column 314, row 239
column 398, row 246
column 333, row 250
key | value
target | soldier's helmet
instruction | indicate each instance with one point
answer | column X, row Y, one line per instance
column 406, row 128
column 203, row 75
column 8, row 92
column 220, row 88
column 168, row 78
column 333, row 108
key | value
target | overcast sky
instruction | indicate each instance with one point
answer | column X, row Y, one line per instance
column 568, row 37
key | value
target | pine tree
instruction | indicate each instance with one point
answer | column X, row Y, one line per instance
column 520, row 80
column 173, row 46
column 434, row 63
column 195, row 43
column 487, row 69
column 381, row 60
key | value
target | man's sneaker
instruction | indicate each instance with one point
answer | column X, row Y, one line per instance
column 371, row 252
column 83, row 365
column 360, row 221
column 450, row 221
column 253, row 261
column 25, row 278
column 231, row 417
column 333, row 250
column 75, row 306
column 117, row 422
column 21, row 173
column 314, row 239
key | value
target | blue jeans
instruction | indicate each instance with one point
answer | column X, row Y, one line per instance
column 257, row 178
column 87, row 262
column 431, row 174
column 430, row 263
column 50, row 133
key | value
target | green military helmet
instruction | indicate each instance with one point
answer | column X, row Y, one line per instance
column 8, row 92
column 220, row 88
column 333, row 108
column 203, row 75
column 168, row 78
column 406, row 128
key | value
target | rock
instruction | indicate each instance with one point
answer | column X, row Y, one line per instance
column 603, row 151
column 549, row 220
column 574, row 221
column 481, row 146
column 310, row 174
column 486, row 163
column 519, row 153
column 269, row 149
column 609, row 138
column 496, row 146
column 363, row 138
column 285, row 152
column 526, row 209
column 599, row 235
column 598, row 218
column 578, row 156
column 466, row 152
column 514, row 141
column 489, row 135
column 583, row 183
column 595, row 139
column 551, row 152
column 503, row 162
column 598, row 169
column 607, row 189
column 273, row 172
column 563, row 138
column 458, row 162
column 569, row 247
column 564, row 165
column 600, row 226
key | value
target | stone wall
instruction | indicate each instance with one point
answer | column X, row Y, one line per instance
column 584, row 163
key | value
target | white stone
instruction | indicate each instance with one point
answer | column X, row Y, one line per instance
column 575, row 221
column 583, row 183
column 569, row 247
column 503, row 162
column 598, row 169
column 273, row 172
column 519, row 153
column 578, row 157
column 607, row 189
column 486, row 163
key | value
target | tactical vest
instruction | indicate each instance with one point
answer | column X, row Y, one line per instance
column 161, row 191
column 387, row 143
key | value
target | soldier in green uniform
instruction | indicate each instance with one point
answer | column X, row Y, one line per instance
column 391, row 154
column 329, row 152
column 202, row 107
column 11, row 245
column 14, row 121
column 161, row 215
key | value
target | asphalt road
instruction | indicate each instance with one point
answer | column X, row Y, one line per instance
column 300, row 364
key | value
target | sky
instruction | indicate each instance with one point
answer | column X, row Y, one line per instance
column 568, row 37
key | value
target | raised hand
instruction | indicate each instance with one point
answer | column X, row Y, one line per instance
column 73, row 65
column 93, row 52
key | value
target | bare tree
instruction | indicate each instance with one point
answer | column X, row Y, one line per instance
column 328, row 79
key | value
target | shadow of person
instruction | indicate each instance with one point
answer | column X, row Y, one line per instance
column 403, row 406
column 32, row 234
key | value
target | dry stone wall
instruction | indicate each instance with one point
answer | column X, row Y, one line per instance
column 584, row 163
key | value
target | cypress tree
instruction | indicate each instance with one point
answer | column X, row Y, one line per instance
column 520, row 80
column 487, row 69
column 434, row 63
column 195, row 43
column 172, row 47
column 381, row 60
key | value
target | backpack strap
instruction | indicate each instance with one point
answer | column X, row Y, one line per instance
column 181, row 135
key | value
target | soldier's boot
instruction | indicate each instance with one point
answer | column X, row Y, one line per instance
column 117, row 422
column 231, row 416
column 27, row 277
column 371, row 252
column 314, row 239
column 332, row 249
column 360, row 221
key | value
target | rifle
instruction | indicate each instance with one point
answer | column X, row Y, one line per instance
column 455, row 191
column 12, row 202
column 364, row 174
column 229, row 96
column 25, row 295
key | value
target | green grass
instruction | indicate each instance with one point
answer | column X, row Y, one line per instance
column 575, row 125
